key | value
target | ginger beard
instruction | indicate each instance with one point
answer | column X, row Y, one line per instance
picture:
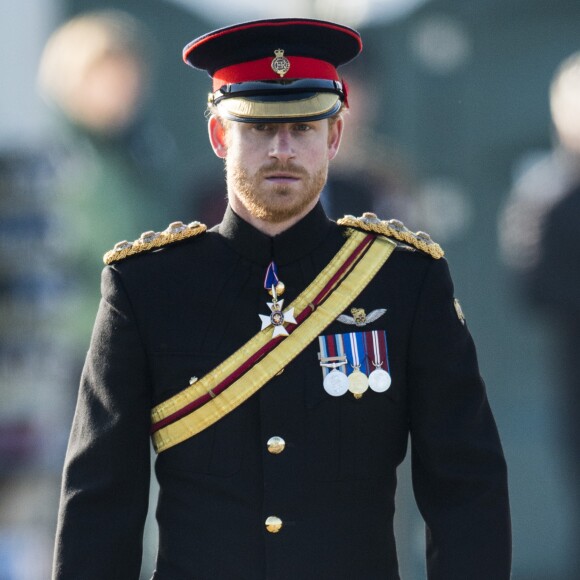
column 275, row 202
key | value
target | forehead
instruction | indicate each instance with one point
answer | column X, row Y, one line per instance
column 281, row 124
column 320, row 127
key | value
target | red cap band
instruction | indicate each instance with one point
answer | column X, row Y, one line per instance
column 301, row 67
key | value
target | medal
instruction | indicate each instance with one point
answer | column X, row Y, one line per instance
column 358, row 382
column 332, row 358
column 335, row 383
column 277, row 317
column 379, row 379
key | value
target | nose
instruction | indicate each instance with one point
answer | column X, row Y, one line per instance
column 282, row 147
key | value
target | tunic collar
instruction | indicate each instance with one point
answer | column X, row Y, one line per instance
column 294, row 243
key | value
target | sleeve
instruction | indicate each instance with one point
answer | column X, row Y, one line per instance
column 459, row 471
column 105, row 487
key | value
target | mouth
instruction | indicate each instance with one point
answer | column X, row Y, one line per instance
column 282, row 180
column 288, row 177
column 282, row 177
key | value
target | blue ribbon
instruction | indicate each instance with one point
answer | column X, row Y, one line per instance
column 271, row 278
column 360, row 349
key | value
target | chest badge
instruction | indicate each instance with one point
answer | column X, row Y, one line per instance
column 360, row 317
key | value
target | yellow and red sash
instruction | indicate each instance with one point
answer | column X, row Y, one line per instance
column 262, row 357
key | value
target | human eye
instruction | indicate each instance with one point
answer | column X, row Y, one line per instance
column 302, row 127
column 261, row 127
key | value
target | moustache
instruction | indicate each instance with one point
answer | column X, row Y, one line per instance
column 285, row 168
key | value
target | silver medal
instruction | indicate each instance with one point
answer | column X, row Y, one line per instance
column 379, row 380
column 335, row 383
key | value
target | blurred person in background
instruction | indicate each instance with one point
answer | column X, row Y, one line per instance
column 112, row 156
column 539, row 241
column 112, row 159
column 370, row 163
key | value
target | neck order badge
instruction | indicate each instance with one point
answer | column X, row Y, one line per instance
column 277, row 318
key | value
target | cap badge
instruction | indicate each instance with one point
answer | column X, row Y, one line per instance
column 280, row 64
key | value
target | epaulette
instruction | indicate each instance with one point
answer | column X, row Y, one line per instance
column 175, row 232
column 369, row 222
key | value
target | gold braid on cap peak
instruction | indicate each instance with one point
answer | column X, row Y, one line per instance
column 175, row 232
column 369, row 222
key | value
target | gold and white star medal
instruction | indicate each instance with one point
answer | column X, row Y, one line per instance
column 277, row 317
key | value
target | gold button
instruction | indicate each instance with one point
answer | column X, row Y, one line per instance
column 273, row 524
column 276, row 445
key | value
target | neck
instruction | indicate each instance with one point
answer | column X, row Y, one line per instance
column 267, row 227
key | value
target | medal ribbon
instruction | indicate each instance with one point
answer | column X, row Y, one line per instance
column 331, row 348
column 337, row 340
column 376, row 342
column 271, row 278
column 323, row 354
column 354, row 346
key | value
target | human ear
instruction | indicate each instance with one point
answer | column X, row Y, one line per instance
column 217, row 136
column 334, row 136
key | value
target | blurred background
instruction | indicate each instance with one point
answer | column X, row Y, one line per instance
column 456, row 127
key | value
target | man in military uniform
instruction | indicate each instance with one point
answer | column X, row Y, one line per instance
column 280, row 361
